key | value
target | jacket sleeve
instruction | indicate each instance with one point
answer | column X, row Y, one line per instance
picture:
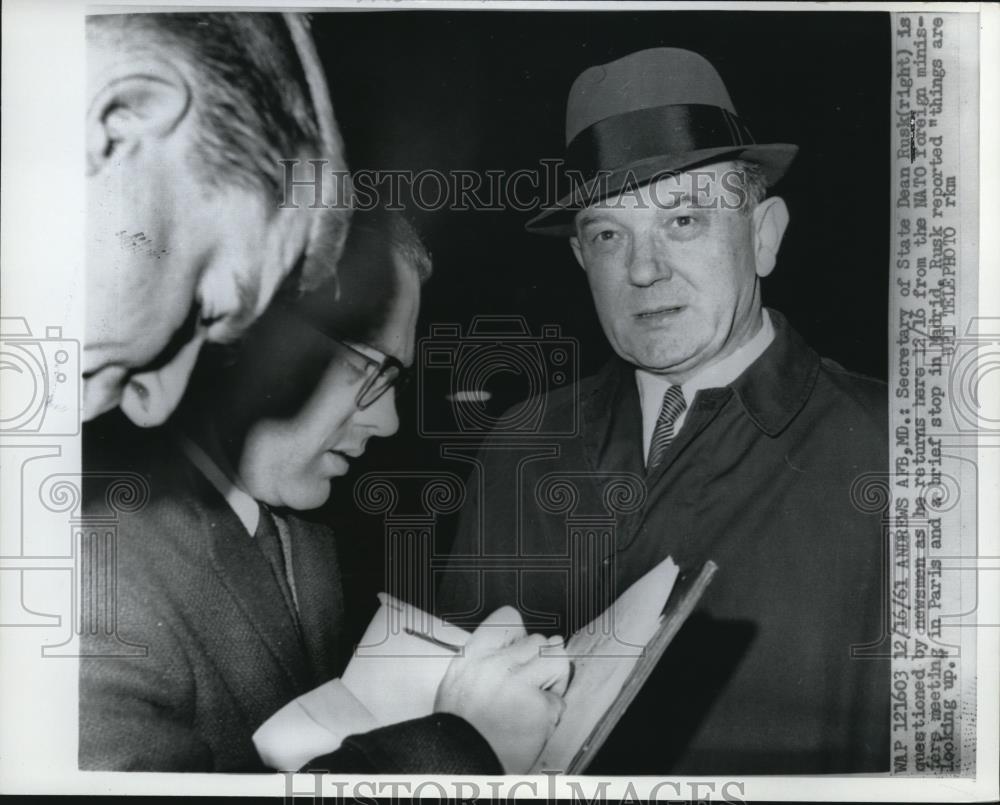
column 137, row 688
column 441, row 743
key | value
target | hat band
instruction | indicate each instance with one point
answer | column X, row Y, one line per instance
column 631, row 137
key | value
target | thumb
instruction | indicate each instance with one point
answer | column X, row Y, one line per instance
column 500, row 629
column 556, row 706
column 549, row 672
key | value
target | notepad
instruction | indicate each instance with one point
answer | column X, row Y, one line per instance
column 404, row 654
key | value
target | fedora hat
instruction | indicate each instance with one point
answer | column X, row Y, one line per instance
column 646, row 115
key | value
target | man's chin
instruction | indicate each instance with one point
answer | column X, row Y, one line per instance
column 662, row 363
column 306, row 499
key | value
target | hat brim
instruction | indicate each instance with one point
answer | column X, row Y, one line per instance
column 557, row 220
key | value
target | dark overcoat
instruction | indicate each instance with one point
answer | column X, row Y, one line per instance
column 779, row 478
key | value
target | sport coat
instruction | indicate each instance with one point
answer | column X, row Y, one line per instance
column 222, row 651
column 781, row 669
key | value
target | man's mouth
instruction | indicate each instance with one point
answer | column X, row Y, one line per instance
column 340, row 460
column 335, row 462
column 659, row 312
column 347, row 452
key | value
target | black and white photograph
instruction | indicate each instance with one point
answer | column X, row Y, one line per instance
column 554, row 400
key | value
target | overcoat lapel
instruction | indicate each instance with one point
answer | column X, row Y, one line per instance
column 612, row 435
column 705, row 407
column 612, row 422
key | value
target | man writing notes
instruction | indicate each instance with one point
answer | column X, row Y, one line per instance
column 746, row 441
column 236, row 599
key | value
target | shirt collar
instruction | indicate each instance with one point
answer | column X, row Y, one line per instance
column 242, row 504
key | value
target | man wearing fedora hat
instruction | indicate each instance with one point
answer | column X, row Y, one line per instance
column 751, row 448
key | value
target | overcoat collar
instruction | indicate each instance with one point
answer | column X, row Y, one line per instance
column 776, row 386
column 772, row 391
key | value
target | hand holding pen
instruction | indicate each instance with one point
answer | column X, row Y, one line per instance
column 508, row 688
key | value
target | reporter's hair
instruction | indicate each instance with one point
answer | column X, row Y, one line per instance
column 390, row 233
column 368, row 283
column 249, row 90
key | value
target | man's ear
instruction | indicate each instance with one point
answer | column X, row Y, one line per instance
column 770, row 219
column 574, row 243
column 136, row 102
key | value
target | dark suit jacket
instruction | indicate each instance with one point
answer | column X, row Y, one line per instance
column 759, row 479
column 223, row 653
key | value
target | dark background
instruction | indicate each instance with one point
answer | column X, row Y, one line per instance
column 487, row 90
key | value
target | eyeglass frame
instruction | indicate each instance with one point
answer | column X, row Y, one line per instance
column 388, row 362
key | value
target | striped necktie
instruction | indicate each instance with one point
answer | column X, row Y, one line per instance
column 663, row 433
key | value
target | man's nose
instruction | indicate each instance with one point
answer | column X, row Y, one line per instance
column 380, row 417
column 151, row 396
column 648, row 261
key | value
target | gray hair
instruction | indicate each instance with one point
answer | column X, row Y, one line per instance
column 253, row 103
column 754, row 185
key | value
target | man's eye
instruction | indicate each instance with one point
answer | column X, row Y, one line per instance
column 604, row 235
column 683, row 220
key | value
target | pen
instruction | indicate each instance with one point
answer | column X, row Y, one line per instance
column 433, row 640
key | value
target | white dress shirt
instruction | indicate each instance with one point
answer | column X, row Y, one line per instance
column 240, row 501
column 652, row 387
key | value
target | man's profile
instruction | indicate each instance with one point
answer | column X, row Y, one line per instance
column 237, row 597
column 188, row 118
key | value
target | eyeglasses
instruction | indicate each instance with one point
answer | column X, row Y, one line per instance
column 383, row 371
